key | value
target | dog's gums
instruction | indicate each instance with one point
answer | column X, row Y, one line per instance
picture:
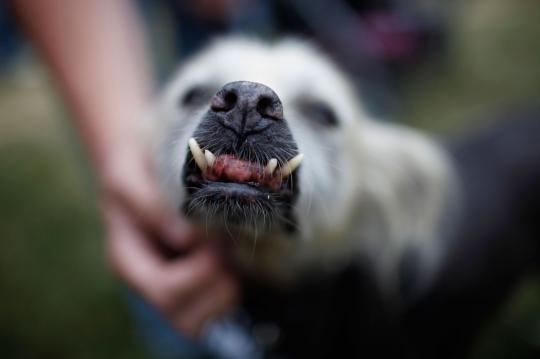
column 229, row 168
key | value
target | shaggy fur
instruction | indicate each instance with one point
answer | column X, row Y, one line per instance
column 367, row 188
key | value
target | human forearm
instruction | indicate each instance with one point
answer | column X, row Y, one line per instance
column 97, row 53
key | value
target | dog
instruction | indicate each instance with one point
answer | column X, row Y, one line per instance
column 268, row 145
column 272, row 142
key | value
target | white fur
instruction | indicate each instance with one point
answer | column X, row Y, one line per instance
column 366, row 187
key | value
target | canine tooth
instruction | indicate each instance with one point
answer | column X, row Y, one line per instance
column 291, row 165
column 210, row 158
column 271, row 166
column 197, row 153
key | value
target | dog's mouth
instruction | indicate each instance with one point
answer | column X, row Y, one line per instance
column 242, row 163
column 227, row 189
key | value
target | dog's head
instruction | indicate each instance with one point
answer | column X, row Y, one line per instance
column 271, row 140
column 257, row 137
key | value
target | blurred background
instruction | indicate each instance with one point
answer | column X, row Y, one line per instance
column 442, row 66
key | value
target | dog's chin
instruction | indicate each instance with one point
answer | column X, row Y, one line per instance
column 236, row 206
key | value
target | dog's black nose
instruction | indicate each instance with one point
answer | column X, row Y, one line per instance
column 246, row 107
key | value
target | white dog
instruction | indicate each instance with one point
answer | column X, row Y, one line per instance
column 270, row 144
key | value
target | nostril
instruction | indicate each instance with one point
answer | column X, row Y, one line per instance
column 223, row 101
column 269, row 107
column 230, row 99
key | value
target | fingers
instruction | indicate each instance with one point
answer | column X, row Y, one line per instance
column 130, row 183
column 190, row 290
column 136, row 260
column 130, row 254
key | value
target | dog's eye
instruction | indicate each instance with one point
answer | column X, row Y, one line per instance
column 195, row 95
column 321, row 113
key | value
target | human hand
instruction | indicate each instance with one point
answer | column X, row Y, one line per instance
column 106, row 39
column 190, row 289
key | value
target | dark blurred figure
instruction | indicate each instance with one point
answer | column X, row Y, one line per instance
column 497, row 239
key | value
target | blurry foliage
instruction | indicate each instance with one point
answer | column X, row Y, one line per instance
column 492, row 63
column 57, row 297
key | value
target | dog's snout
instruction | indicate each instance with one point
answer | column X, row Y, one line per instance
column 247, row 107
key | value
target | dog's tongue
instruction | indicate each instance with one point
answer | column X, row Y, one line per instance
column 234, row 169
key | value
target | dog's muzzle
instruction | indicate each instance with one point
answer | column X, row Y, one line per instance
column 242, row 162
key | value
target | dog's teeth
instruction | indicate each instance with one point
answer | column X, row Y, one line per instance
column 291, row 165
column 210, row 158
column 270, row 167
column 197, row 153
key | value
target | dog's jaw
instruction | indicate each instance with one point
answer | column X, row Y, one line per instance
column 242, row 165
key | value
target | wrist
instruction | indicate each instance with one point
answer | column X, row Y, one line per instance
column 116, row 162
